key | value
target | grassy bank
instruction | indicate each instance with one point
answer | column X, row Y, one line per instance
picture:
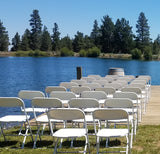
column 50, row 54
column 53, row 54
column 147, row 142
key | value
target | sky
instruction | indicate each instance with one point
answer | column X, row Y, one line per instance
column 77, row 15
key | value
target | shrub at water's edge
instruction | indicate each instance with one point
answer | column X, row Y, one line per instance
column 136, row 53
column 92, row 52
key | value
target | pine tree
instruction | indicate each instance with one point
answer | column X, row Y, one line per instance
column 25, row 40
column 4, row 39
column 46, row 42
column 95, row 34
column 156, row 45
column 66, row 42
column 143, row 34
column 107, row 32
column 16, row 42
column 78, row 42
column 36, row 30
column 56, row 38
column 123, row 36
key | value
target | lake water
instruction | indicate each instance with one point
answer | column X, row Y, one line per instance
column 31, row 73
column 17, row 73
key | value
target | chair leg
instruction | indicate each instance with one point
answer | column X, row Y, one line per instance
column 98, row 142
column 86, row 144
column 55, row 148
column 34, row 145
column 3, row 133
column 44, row 125
column 25, row 136
column 128, row 144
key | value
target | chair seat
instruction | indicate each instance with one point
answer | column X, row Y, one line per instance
column 112, row 132
column 35, row 109
column 101, row 101
column 70, row 133
column 44, row 119
column 90, row 110
column 14, row 118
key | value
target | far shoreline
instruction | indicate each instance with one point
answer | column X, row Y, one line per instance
column 102, row 55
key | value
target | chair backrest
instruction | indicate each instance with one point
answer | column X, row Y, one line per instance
column 62, row 95
column 46, row 102
column 138, row 91
column 110, row 114
column 97, row 77
column 137, row 85
column 118, row 103
column 48, row 89
column 122, row 82
column 130, row 95
column 111, row 77
column 93, row 86
column 101, row 82
column 106, row 90
column 79, row 90
column 83, row 103
column 94, row 94
column 65, row 114
column 79, row 82
column 29, row 94
column 88, row 79
column 68, row 85
column 147, row 77
column 116, row 86
column 11, row 102
column 139, row 81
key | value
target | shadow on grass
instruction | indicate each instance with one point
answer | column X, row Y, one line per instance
column 43, row 143
column 111, row 143
column 7, row 143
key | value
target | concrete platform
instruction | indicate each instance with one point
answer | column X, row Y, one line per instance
column 152, row 115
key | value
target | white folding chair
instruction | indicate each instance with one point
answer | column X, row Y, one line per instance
column 79, row 82
column 108, row 115
column 64, row 96
column 68, row 85
column 69, row 114
column 127, row 105
column 88, row 79
column 79, row 90
column 138, row 91
column 49, row 89
column 42, row 120
column 102, row 82
column 137, row 103
column 97, row 77
column 88, row 105
column 93, row 86
column 116, row 86
column 27, row 96
column 109, row 91
column 99, row 95
column 21, row 118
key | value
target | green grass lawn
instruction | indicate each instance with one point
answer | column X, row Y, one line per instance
column 147, row 142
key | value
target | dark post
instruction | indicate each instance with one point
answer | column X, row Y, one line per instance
column 79, row 73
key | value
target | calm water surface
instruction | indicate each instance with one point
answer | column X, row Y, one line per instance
column 29, row 73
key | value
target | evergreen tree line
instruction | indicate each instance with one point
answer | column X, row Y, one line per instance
column 108, row 37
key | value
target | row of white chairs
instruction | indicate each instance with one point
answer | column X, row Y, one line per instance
column 26, row 95
column 55, row 113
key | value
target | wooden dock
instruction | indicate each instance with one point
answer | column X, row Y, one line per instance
column 152, row 115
